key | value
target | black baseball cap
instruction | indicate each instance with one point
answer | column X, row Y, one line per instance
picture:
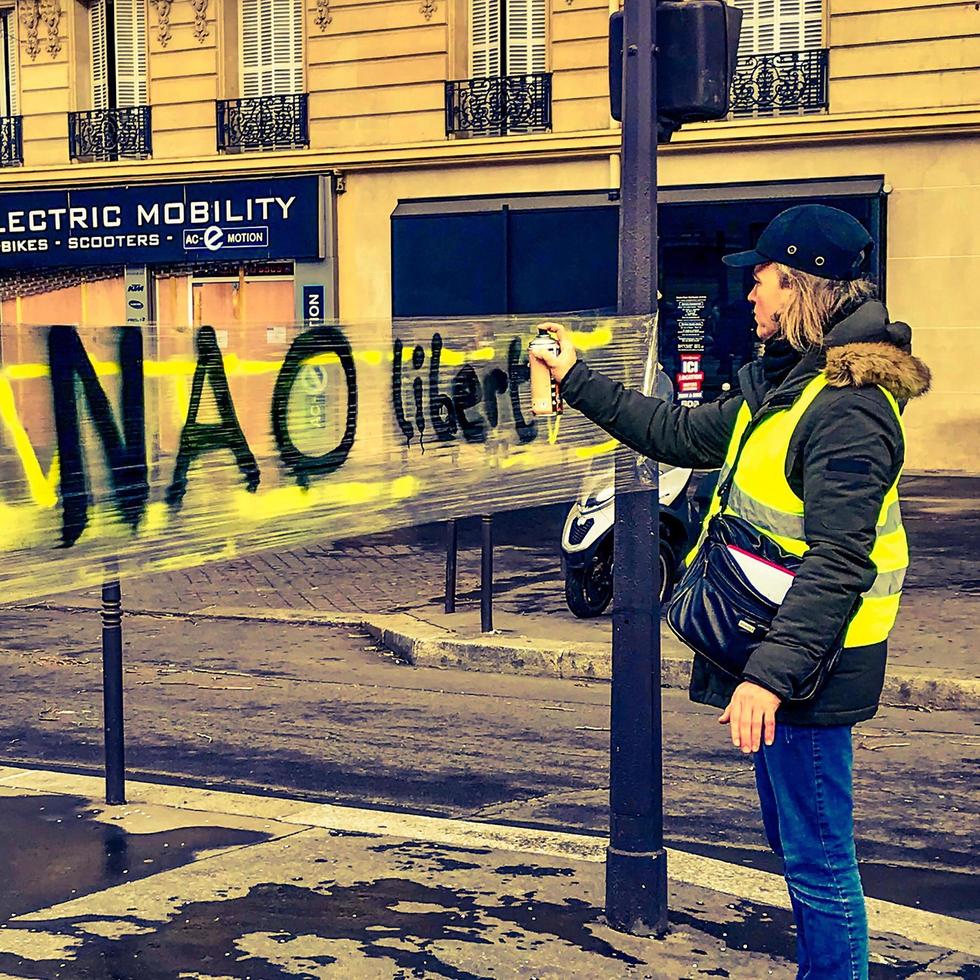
column 814, row 238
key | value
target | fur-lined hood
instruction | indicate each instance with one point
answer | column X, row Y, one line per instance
column 865, row 349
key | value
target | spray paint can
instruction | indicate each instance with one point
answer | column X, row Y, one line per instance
column 545, row 395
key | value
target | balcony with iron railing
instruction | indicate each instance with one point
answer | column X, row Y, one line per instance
column 110, row 134
column 781, row 84
column 270, row 122
column 499, row 106
column 11, row 141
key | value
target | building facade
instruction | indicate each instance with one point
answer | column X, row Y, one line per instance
column 241, row 159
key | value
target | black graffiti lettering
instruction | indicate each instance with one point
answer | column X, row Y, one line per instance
column 419, row 411
column 418, row 359
column 441, row 409
column 448, row 414
column 321, row 339
column 518, row 373
column 197, row 438
column 494, row 384
column 396, row 393
column 125, row 455
column 467, row 394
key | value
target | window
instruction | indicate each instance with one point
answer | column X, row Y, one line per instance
column 9, row 94
column 520, row 255
column 507, row 38
column 118, row 37
column 272, row 47
column 771, row 26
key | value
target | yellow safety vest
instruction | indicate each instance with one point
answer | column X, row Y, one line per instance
column 761, row 495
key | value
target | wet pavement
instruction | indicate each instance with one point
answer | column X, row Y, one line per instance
column 274, row 889
column 57, row 846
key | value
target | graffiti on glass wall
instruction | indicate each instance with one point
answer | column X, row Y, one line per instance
column 161, row 447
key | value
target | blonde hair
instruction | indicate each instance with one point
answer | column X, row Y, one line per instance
column 816, row 304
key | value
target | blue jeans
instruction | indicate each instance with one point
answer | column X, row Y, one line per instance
column 804, row 783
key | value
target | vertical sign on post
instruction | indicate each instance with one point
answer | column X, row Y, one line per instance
column 314, row 377
column 314, row 300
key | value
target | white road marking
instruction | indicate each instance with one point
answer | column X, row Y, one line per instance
column 915, row 924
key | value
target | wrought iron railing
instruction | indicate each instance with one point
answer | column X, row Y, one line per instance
column 786, row 83
column 272, row 122
column 110, row 134
column 498, row 106
column 11, row 141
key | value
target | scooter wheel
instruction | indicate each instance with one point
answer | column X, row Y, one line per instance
column 589, row 589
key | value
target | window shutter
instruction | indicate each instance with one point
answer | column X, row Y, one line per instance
column 9, row 88
column 812, row 24
column 287, row 47
column 770, row 26
column 272, row 47
column 251, row 48
column 484, row 38
column 100, row 67
column 526, row 20
column 130, row 38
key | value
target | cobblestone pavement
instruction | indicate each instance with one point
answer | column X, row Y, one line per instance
column 385, row 573
column 372, row 578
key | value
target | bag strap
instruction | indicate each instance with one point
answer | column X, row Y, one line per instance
column 726, row 488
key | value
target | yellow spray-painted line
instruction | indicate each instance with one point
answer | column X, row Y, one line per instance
column 22, row 529
column 589, row 452
column 236, row 366
column 584, row 340
column 41, row 486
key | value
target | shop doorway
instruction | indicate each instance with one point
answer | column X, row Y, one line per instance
column 251, row 310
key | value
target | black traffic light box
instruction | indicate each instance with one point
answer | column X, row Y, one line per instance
column 697, row 51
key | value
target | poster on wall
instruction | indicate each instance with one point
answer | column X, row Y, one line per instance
column 690, row 348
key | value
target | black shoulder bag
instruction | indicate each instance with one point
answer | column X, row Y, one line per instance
column 724, row 604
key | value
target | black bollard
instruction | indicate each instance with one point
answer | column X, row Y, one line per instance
column 452, row 542
column 112, row 690
column 486, row 574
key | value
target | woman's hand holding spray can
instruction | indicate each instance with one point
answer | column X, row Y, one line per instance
column 548, row 367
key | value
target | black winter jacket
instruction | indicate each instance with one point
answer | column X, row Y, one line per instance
column 844, row 455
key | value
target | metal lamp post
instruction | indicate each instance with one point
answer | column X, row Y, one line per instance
column 636, row 862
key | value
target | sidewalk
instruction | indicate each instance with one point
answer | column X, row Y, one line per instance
column 272, row 888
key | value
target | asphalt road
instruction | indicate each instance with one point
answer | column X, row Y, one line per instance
column 324, row 714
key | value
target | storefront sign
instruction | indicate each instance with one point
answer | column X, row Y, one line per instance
column 274, row 218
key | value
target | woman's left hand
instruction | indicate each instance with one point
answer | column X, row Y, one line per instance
column 751, row 712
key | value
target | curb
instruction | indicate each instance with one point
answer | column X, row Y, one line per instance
column 903, row 688
column 423, row 644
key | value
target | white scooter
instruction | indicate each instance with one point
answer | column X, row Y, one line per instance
column 587, row 539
